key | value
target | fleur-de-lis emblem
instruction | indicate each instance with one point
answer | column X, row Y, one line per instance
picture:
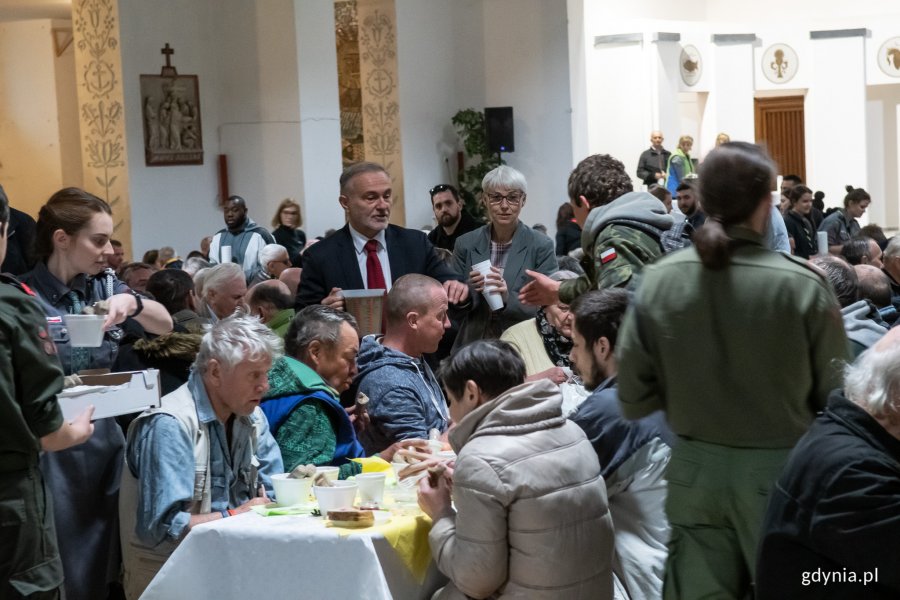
column 779, row 65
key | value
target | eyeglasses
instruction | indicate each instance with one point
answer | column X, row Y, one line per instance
column 512, row 198
column 290, row 212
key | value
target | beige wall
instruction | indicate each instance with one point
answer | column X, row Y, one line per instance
column 30, row 163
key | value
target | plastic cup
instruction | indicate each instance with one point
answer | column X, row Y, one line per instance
column 342, row 494
column 366, row 306
column 85, row 331
column 225, row 254
column 331, row 473
column 822, row 237
column 291, row 491
column 371, row 487
column 494, row 300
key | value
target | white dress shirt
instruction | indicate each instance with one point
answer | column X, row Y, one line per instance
column 359, row 243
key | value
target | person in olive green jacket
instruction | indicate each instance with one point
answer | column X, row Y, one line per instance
column 30, row 421
column 740, row 346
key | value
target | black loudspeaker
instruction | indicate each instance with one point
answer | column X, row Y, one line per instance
column 499, row 125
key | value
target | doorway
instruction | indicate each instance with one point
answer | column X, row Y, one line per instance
column 779, row 126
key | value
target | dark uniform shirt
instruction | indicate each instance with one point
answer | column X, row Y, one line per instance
column 30, row 379
column 58, row 301
column 84, row 480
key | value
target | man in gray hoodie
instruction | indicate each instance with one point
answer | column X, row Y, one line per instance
column 405, row 398
column 621, row 232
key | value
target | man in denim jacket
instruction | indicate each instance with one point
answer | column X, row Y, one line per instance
column 206, row 454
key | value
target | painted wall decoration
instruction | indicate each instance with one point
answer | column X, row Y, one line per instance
column 889, row 57
column 779, row 63
column 349, row 87
column 101, row 108
column 690, row 64
column 378, row 74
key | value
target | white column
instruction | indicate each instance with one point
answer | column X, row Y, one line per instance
column 580, row 47
column 729, row 106
column 619, row 99
column 835, row 114
column 320, row 122
column 665, row 52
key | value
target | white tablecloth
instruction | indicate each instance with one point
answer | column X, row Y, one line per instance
column 251, row 556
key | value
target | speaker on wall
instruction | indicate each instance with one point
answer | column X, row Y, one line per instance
column 499, row 124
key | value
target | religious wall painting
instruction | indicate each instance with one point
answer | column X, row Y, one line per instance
column 691, row 65
column 889, row 57
column 170, row 110
column 779, row 63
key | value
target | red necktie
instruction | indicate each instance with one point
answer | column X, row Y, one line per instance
column 374, row 274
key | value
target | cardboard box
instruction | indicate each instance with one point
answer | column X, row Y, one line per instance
column 120, row 394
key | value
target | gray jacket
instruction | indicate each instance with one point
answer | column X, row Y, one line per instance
column 405, row 399
column 530, row 249
column 532, row 518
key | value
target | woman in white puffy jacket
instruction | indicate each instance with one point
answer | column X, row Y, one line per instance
column 531, row 518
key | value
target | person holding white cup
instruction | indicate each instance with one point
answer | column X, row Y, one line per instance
column 496, row 256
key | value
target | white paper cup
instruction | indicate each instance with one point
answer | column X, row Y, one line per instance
column 495, row 301
column 822, row 237
column 331, row 473
column 85, row 331
column 366, row 306
column 225, row 254
column 342, row 495
column 371, row 487
column 291, row 491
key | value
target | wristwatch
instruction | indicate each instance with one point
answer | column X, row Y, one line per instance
column 140, row 305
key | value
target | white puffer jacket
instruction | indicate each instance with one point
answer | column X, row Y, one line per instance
column 532, row 518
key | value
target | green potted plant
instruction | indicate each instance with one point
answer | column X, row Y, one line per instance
column 479, row 160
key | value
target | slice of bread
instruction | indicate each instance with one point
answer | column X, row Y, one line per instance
column 351, row 517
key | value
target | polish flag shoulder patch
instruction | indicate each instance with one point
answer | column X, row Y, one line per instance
column 608, row 255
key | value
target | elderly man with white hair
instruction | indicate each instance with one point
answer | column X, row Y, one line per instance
column 833, row 521
column 273, row 259
column 206, row 454
column 221, row 289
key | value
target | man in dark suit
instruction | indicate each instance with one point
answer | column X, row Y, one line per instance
column 369, row 252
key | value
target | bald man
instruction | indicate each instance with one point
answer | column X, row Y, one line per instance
column 273, row 303
column 405, row 398
column 652, row 163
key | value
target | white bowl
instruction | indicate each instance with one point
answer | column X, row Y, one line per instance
column 85, row 331
column 291, row 491
column 331, row 473
column 341, row 495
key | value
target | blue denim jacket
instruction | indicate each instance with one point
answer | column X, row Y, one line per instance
column 161, row 455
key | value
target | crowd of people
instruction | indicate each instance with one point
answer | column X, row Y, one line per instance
column 670, row 403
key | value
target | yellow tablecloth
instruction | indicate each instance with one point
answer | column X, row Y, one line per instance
column 408, row 536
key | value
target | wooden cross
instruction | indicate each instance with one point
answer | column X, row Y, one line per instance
column 168, row 70
column 168, row 52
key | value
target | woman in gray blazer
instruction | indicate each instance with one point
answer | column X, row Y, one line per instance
column 511, row 246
